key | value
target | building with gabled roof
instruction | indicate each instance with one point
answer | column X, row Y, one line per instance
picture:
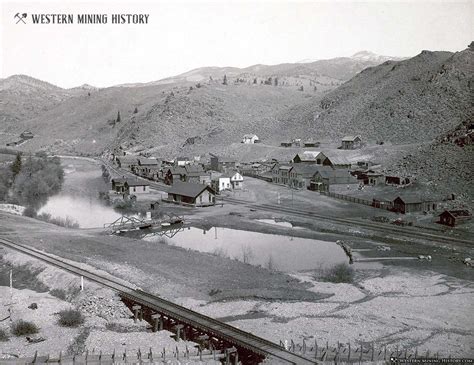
column 324, row 179
column 250, row 139
column 454, row 217
column 186, row 193
column 314, row 157
column 351, row 142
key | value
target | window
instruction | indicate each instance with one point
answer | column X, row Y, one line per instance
column 144, row 188
column 134, row 189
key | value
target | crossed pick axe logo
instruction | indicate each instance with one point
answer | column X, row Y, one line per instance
column 20, row 17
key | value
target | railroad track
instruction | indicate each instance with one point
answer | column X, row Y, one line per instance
column 384, row 228
column 221, row 330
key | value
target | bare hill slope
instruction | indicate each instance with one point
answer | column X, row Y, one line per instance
column 407, row 101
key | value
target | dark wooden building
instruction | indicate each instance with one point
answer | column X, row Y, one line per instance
column 454, row 217
column 198, row 195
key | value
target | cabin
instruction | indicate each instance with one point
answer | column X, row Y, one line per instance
column 198, row 195
column 221, row 183
column 382, row 202
column 314, row 157
column 351, row 142
column 250, row 139
column 222, row 164
column 397, row 180
column 286, row 144
column 118, row 185
column 454, row 217
column 296, row 142
column 127, row 161
column 134, row 187
column 145, row 166
column 375, row 178
column 412, row 203
column 236, row 180
column 198, row 177
column 325, row 179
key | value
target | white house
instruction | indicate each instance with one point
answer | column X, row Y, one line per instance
column 250, row 139
column 221, row 183
column 236, row 180
column 182, row 161
column 134, row 187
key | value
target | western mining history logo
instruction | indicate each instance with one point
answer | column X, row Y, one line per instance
column 83, row 18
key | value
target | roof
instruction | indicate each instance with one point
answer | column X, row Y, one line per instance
column 304, row 169
column 188, row 189
column 285, row 167
column 197, row 173
column 339, row 160
column 128, row 158
column 120, row 180
column 136, row 183
column 337, row 176
column 147, row 161
column 182, row 159
column 350, row 138
column 310, row 155
column 409, row 199
column 459, row 213
column 250, row 135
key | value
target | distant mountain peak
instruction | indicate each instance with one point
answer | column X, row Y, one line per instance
column 371, row 56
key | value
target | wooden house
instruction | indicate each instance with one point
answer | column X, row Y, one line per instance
column 375, row 178
column 311, row 143
column 324, row 179
column 250, row 139
column 198, row 177
column 301, row 175
column 351, row 142
column 454, row 217
column 222, row 164
column 182, row 161
column 236, row 180
column 286, row 144
column 118, row 185
column 127, row 161
column 134, row 187
column 221, row 183
column 410, row 203
column 185, row 193
column 173, row 174
column 314, row 157
column 281, row 174
column 394, row 180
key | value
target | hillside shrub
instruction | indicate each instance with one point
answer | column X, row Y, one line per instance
column 340, row 273
column 70, row 318
column 23, row 328
column 58, row 293
column 3, row 335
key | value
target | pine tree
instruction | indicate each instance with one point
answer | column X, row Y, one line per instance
column 225, row 80
column 135, row 111
column 16, row 165
column 118, row 117
column 255, row 81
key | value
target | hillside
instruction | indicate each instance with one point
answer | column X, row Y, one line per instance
column 23, row 97
column 414, row 100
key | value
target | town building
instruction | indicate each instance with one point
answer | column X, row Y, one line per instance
column 375, row 178
column 454, row 217
column 182, row 161
column 134, row 187
column 393, row 180
column 281, row 174
column 186, row 193
column 250, row 139
column 286, row 144
column 325, row 180
column 300, row 175
column 221, row 183
column 236, row 180
column 127, row 161
column 311, row 143
column 118, row 185
column 315, row 157
column 410, row 203
column 222, row 164
column 351, row 142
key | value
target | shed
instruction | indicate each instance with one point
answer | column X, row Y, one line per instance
column 454, row 217
column 250, row 139
column 351, row 142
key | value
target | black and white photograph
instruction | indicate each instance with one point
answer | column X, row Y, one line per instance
column 236, row 182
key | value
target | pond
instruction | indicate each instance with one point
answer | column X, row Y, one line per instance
column 79, row 195
column 283, row 253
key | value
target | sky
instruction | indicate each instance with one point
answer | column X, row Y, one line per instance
column 181, row 36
